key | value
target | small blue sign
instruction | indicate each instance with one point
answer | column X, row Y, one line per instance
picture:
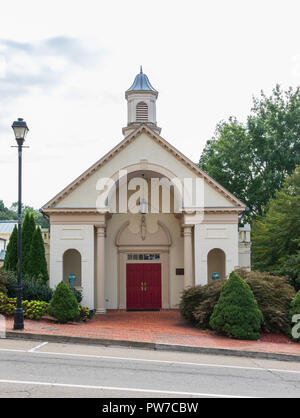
column 72, row 279
column 215, row 276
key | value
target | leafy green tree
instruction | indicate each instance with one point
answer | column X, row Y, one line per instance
column 11, row 255
column 63, row 305
column 251, row 160
column 291, row 269
column 37, row 265
column 39, row 219
column 28, row 228
column 276, row 234
column 7, row 214
column 237, row 314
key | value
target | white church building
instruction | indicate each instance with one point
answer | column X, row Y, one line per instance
column 144, row 222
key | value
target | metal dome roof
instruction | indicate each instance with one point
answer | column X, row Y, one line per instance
column 141, row 83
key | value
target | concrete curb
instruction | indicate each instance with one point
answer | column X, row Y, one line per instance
column 153, row 346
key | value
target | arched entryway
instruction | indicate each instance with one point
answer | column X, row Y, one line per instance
column 72, row 265
column 143, row 267
column 216, row 263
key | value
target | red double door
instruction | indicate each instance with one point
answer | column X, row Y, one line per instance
column 143, row 286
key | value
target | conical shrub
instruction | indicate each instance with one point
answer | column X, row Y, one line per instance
column 237, row 314
column 63, row 305
column 28, row 229
column 37, row 264
column 11, row 255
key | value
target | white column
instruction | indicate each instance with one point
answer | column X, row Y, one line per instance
column 100, row 300
column 188, row 256
column 200, row 256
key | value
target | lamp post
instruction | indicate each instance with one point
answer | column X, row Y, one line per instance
column 20, row 130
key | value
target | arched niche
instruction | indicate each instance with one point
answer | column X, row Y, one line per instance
column 216, row 260
column 72, row 265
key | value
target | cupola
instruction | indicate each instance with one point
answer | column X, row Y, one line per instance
column 141, row 104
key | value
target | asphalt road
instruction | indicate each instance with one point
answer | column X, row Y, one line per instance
column 37, row 369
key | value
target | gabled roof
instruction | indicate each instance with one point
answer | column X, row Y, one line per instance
column 123, row 144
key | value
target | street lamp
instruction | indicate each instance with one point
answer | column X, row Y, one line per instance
column 20, row 129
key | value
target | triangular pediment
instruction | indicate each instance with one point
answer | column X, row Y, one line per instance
column 141, row 144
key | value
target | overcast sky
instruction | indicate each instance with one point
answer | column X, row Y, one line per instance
column 65, row 65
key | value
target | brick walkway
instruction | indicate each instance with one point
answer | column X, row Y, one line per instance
column 159, row 327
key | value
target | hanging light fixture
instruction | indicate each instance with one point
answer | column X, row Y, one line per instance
column 143, row 203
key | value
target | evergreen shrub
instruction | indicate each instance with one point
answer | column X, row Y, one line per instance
column 63, row 305
column 237, row 314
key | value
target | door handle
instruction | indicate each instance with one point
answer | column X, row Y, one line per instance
column 142, row 286
column 145, row 286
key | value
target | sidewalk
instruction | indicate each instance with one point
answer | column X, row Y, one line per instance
column 161, row 330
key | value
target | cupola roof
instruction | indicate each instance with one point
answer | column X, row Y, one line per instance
column 141, row 83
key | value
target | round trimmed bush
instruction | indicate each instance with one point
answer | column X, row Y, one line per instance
column 237, row 314
column 63, row 305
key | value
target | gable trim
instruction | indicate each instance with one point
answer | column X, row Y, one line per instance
column 123, row 144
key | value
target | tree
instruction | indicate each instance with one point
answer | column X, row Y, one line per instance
column 251, row 160
column 11, row 255
column 37, row 215
column 276, row 234
column 291, row 268
column 37, row 265
column 237, row 314
column 7, row 214
column 64, row 306
column 28, row 229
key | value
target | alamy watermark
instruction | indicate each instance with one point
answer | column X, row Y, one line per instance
column 149, row 195
column 296, row 327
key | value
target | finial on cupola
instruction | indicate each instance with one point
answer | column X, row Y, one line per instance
column 141, row 69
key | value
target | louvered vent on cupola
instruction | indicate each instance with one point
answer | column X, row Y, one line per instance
column 142, row 112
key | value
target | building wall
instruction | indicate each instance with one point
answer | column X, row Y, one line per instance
column 210, row 236
column 80, row 238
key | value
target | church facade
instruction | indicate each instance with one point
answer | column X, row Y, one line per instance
column 144, row 222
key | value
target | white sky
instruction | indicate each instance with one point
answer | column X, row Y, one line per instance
column 65, row 65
